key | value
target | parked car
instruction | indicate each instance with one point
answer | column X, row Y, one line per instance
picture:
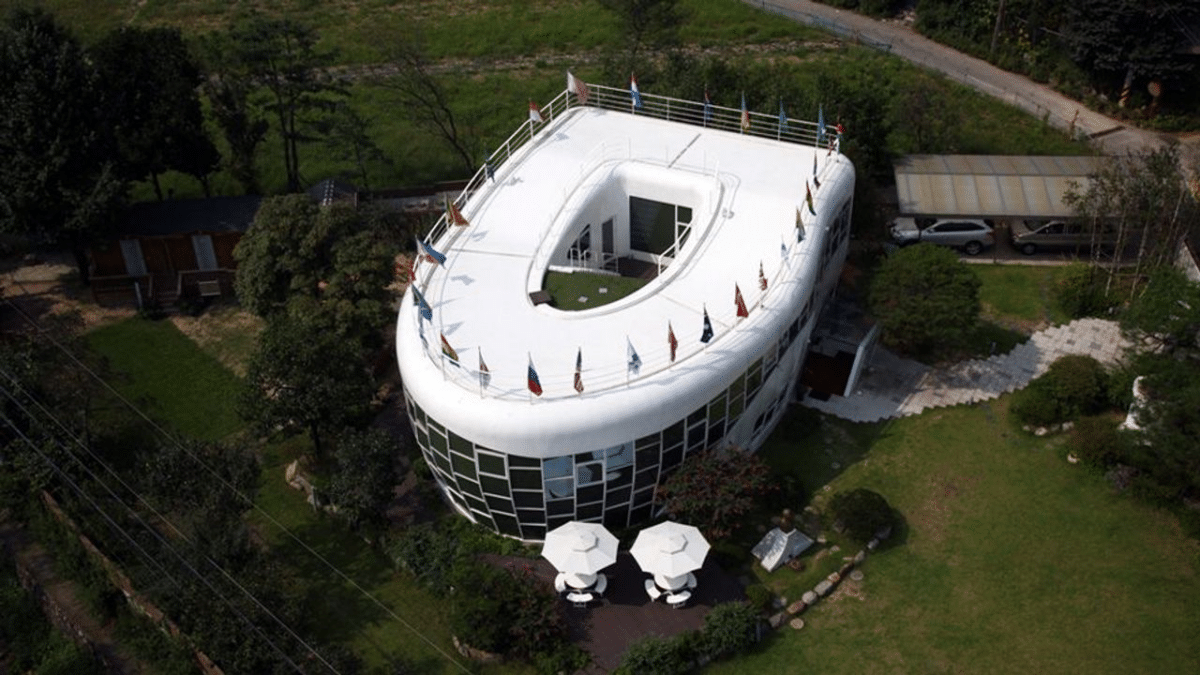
column 1030, row 236
column 969, row 234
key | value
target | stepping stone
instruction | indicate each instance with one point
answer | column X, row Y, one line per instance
column 797, row 607
column 796, row 623
column 809, row 597
column 822, row 589
column 856, row 575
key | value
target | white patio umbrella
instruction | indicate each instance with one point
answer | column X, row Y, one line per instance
column 670, row 549
column 580, row 548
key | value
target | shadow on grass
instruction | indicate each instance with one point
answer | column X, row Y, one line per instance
column 813, row 449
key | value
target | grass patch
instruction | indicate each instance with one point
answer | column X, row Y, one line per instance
column 226, row 332
column 1020, row 294
column 169, row 377
column 1012, row 560
column 347, row 615
column 566, row 289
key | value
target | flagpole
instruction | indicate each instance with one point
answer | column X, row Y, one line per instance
column 528, row 366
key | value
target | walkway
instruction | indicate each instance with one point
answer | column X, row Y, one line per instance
column 1110, row 135
column 896, row 387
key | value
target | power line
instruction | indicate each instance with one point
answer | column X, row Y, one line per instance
column 281, row 527
column 112, row 523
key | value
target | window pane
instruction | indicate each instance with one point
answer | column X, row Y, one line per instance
column 533, row 531
column 589, row 494
column 526, row 479
column 557, row 488
column 530, row 462
column 587, row 474
column 672, row 458
column 498, row 504
column 493, row 485
column 590, row 511
column 461, row 445
column 560, row 507
column 462, row 465
column 622, row 476
column 619, row 456
column 646, row 478
column 673, row 434
column 618, row 496
column 647, row 457
column 558, row 467
column 531, row 515
column 617, row 518
column 489, row 463
column 470, row 488
column 523, row 498
column 506, row 524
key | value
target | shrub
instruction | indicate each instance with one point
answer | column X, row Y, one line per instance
column 862, row 513
column 728, row 629
column 759, row 597
column 1074, row 385
column 653, row 655
column 924, row 298
column 506, row 611
column 1080, row 292
column 1097, row 442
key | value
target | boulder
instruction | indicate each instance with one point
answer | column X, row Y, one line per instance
column 833, row 578
column 822, row 589
column 777, row 620
column 859, row 557
column 809, row 597
column 796, row 607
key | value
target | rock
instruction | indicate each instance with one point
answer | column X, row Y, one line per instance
column 856, row 575
column 845, row 570
column 1072, row 459
column 289, row 474
column 778, row 602
column 833, row 578
column 809, row 597
column 872, row 545
column 796, row 607
column 883, row 533
column 859, row 557
column 777, row 620
column 1041, row 431
column 796, row 623
column 835, row 548
column 835, row 466
column 1067, row 426
column 822, row 589
column 821, row 539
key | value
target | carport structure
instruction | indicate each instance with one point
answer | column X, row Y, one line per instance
column 991, row 186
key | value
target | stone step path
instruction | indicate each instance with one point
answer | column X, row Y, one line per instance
column 896, row 387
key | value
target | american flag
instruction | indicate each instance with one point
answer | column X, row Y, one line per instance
column 741, row 304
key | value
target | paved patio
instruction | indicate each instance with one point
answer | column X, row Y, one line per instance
column 606, row 629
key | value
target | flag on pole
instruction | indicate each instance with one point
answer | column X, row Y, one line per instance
column 820, row 123
column 816, row 180
column 579, row 371
column 431, row 254
column 783, row 246
column 488, row 169
column 741, row 304
column 535, row 385
column 577, row 86
column 707, row 333
column 419, row 301
column 412, row 270
column 634, row 93
column 799, row 226
column 454, row 215
column 762, row 278
column 783, row 125
column 745, row 114
column 671, row 341
column 808, row 199
column 448, row 350
column 635, row 361
column 535, row 115
column 485, row 375
column 708, row 113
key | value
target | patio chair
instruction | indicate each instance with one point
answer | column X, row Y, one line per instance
column 678, row 600
column 580, row 599
column 560, row 583
column 601, row 584
column 691, row 581
column 652, row 590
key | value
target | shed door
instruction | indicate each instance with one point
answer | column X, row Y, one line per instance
column 131, row 250
column 206, row 257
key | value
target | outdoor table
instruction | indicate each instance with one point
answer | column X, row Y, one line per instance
column 672, row 584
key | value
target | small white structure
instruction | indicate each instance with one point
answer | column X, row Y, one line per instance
column 778, row 547
column 1139, row 400
column 716, row 203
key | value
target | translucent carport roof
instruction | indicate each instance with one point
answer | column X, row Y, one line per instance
column 991, row 186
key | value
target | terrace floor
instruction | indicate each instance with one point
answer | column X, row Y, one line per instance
column 626, row 615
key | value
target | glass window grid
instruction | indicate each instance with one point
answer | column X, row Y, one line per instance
column 490, row 462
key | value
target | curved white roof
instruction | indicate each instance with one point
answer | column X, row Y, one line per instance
column 745, row 192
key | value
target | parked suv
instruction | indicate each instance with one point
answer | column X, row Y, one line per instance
column 966, row 233
column 1030, row 236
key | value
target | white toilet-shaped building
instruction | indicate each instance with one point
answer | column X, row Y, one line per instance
column 711, row 208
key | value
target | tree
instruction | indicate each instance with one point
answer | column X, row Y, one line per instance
column 729, row 629
column 863, row 513
column 419, row 93
column 1145, row 198
column 346, row 136
column 150, row 91
column 330, row 263
column 303, row 378
column 228, row 86
column 924, row 115
column 1120, row 41
column 280, row 55
column 1166, row 311
column 646, row 23
column 364, row 476
column 713, row 489
column 923, row 297
column 60, row 187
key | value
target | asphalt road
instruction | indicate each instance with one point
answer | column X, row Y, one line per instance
column 1111, row 136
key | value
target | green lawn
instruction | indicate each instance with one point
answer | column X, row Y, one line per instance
column 566, row 289
column 1012, row 560
column 1020, row 293
column 169, row 377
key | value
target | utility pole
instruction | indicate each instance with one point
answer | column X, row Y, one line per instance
column 996, row 30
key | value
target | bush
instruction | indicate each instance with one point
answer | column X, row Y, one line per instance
column 759, row 597
column 862, row 513
column 729, row 629
column 1080, row 292
column 925, row 298
column 653, row 655
column 1097, row 442
column 506, row 611
column 1074, row 385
